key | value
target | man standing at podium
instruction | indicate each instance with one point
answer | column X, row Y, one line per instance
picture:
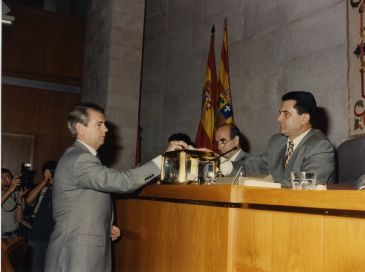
column 298, row 146
column 82, row 206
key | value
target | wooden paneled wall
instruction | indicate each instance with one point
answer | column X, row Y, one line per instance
column 40, row 113
column 49, row 48
column 44, row 46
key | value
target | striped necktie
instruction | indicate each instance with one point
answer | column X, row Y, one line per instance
column 288, row 153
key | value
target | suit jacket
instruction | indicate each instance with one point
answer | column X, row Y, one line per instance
column 240, row 156
column 82, row 209
column 315, row 154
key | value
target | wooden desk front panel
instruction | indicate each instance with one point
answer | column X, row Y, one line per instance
column 284, row 241
column 344, row 244
column 276, row 241
column 165, row 236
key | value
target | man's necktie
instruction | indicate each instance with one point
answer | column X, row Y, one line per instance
column 288, row 153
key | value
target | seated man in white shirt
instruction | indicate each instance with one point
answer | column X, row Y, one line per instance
column 298, row 146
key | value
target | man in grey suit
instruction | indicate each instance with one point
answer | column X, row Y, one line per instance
column 298, row 146
column 82, row 206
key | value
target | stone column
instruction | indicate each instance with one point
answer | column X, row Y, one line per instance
column 113, row 61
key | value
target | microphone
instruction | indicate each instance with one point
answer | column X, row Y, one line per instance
column 221, row 155
column 225, row 153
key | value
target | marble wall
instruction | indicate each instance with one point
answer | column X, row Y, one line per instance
column 113, row 63
column 274, row 46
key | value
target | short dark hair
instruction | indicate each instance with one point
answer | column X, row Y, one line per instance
column 235, row 131
column 49, row 165
column 6, row 171
column 181, row 137
column 78, row 114
column 305, row 102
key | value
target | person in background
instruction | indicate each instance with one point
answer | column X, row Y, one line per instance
column 12, row 204
column 40, row 221
column 298, row 146
column 181, row 137
column 82, row 205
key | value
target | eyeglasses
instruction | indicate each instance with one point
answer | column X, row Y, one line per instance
column 223, row 141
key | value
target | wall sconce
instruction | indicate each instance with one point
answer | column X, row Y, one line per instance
column 6, row 19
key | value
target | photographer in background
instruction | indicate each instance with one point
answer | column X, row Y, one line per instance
column 40, row 221
column 12, row 205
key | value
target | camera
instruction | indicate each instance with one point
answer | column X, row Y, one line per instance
column 26, row 175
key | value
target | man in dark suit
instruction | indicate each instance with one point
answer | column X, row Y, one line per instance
column 82, row 206
column 298, row 146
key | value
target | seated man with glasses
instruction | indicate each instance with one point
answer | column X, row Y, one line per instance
column 229, row 143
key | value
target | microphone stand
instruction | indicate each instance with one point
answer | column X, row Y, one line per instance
column 217, row 157
column 235, row 178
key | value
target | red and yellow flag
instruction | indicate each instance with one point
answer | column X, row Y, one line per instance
column 224, row 107
column 205, row 134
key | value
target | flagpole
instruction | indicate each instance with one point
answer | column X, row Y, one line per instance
column 224, row 113
column 205, row 133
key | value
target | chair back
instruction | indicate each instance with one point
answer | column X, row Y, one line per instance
column 351, row 160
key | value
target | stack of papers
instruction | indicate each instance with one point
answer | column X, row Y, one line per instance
column 255, row 181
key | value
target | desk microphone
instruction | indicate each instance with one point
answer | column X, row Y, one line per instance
column 221, row 155
column 225, row 153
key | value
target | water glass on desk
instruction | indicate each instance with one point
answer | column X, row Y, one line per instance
column 303, row 180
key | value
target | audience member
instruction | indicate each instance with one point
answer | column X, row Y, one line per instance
column 41, row 221
column 12, row 204
column 82, row 206
column 298, row 147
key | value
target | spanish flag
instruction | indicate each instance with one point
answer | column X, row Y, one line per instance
column 205, row 134
column 224, row 107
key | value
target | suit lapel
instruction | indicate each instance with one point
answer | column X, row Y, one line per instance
column 239, row 156
column 281, row 156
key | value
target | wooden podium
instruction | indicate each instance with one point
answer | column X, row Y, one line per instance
column 236, row 228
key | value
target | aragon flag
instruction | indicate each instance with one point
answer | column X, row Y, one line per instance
column 224, row 114
column 204, row 136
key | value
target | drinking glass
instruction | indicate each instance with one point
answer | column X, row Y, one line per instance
column 303, row 180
